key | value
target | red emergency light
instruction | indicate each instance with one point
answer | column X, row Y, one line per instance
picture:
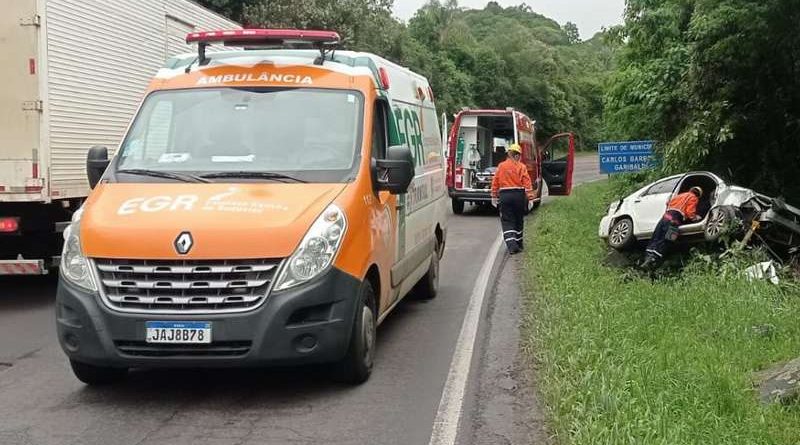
column 325, row 41
column 384, row 77
column 9, row 225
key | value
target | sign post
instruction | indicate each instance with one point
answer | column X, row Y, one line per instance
column 625, row 157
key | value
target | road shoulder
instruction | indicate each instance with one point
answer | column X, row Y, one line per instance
column 504, row 407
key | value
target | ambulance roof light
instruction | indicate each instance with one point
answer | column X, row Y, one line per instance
column 325, row 41
column 384, row 77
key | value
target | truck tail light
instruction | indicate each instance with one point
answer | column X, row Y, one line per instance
column 9, row 225
column 459, row 179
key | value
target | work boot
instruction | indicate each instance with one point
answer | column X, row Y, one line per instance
column 650, row 262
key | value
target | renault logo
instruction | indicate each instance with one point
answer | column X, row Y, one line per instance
column 183, row 243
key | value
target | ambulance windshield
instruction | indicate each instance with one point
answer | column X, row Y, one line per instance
column 310, row 134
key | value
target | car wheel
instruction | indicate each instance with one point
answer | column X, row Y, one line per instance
column 97, row 375
column 722, row 221
column 620, row 237
column 458, row 206
column 428, row 286
column 356, row 366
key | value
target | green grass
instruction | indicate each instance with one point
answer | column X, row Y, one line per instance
column 623, row 359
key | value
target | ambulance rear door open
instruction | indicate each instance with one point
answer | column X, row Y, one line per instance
column 558, row 163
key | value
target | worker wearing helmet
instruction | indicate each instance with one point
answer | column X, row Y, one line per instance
column 681, row 209
column 512, row 192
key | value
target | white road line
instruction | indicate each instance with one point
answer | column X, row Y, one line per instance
column 445, row 426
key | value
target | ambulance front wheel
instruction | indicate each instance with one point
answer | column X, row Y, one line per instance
column 356, row 367
column 428, row 286
column 458, row 206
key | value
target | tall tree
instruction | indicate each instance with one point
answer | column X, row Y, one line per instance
column 572, row 32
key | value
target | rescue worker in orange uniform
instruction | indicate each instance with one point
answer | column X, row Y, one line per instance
column 681, row 209
column 512, row 192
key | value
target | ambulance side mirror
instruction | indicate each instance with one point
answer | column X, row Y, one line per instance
column 96, row 164
column 395, row 173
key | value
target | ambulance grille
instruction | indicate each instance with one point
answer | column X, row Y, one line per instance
column 185, row 287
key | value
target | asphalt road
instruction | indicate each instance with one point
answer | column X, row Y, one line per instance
column 41, row 402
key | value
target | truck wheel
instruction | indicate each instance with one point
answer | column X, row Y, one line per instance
column 97, row 375
column 620, row 236
column 428, row 286
column 722, row 221
column 458, row 206
column 356, row 367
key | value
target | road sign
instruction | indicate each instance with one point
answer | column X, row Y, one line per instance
column 625, row 157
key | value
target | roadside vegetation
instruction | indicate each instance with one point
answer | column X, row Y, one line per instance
column 716, row 83
column 625, row 358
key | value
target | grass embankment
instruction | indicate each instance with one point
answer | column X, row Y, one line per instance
column 625, row 359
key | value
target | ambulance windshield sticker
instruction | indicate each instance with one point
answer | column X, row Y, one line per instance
column 221, row 202
column 223, row 159
column 172, row 158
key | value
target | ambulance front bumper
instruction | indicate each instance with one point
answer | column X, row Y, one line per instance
column 308, row 324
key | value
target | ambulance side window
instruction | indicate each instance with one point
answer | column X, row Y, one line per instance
column 379, row 131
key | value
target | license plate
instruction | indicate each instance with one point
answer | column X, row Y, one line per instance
column 191, row 332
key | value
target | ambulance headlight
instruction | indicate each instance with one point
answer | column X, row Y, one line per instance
column 317, row 250
column 74, row 266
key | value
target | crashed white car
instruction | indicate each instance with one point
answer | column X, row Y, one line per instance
column 723, row 208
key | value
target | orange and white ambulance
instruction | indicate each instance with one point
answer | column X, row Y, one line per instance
column 266, row 207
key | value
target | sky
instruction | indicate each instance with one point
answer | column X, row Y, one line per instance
column 589, row 15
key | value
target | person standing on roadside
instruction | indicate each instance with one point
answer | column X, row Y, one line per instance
column 512, row 191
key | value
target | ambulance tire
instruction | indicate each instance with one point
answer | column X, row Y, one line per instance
column 458, row 206
column 428, row 286
column 97, row 375
column 356, row 366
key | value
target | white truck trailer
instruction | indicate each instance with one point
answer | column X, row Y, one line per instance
column 72, row 76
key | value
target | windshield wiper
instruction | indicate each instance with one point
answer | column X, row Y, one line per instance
column 183, row 177
column 252, row 175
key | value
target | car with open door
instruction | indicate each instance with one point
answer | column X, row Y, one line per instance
column 477, row 144
column 724, row 210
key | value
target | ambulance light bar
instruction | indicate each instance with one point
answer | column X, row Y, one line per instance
column 246, row 37
column 325, row 41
